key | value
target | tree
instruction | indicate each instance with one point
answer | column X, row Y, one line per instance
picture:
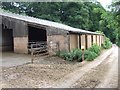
column 116, row 12
column 84, row 15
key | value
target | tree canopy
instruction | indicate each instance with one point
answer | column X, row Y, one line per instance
column 84, row 15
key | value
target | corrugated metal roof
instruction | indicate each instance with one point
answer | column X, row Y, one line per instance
column 45, row 23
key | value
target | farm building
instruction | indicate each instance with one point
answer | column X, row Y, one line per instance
column 18, row 31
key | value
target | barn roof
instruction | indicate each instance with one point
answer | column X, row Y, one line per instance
column 45, row 23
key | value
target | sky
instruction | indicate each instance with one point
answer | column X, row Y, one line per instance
column 105, row 3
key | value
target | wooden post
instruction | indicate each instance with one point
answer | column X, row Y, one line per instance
column 58, row 46
column 32, row 54
column 82, row 53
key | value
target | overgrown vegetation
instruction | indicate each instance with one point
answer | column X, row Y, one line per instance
column 107, row 43
column 95, row 48
column 92, row 52
column 89, row 55
column 76, row 54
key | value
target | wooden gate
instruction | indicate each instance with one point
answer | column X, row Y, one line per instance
column 42, row 48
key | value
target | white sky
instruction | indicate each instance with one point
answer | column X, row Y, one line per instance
column 105, row 3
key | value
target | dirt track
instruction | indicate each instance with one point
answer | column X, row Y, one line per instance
column 55, row 72
column 111, row 78
column 104, row 75
column 43, row 73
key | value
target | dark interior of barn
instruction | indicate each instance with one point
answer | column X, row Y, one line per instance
column 7, row 39
column 37, row 38
column 80, row 41
column 36, row 34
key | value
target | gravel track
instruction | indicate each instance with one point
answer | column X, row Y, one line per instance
column 72, row 77
column 41, row 74
column 58, row 73
column 104, row 75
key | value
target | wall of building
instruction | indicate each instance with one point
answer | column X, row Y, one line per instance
column 19, row 27
column 61, row 40
column 0, row 33
column 98, row 41
column 89, row 41
column 19, row 34
column 94, row 39
column 55, row 31
column 102, row 38
column 58, row 36
column 83, row 41
column 0, row 38
column 66, row 42
column 20, row 44
column 73, row 41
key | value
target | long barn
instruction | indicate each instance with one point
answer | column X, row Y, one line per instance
column 18, row 30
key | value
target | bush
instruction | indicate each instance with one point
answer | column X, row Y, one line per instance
column 68, row 56
column 92, row 52
column 89, row 55
column 65, row 55
column 95, row 48
column 107, row 43
column 76, row 54
column 118, row 44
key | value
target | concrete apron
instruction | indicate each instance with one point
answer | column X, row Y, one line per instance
column 10, row 59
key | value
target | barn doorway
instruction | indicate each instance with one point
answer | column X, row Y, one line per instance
column 37, row 34
column 37, row 39
column 7, row 39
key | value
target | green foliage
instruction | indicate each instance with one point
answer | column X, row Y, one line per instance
column 107, row 43
column 62, row 54
column 76, row 54
column 65, row 55
column 100, row 32
column 118, row 37
column 81, row 15
column 108, row 25
column 89, row 55
column 116, row 12
column 95, row 48
column 92, row 52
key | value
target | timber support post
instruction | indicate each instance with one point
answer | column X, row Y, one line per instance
column 32, row 54
column 82, row 53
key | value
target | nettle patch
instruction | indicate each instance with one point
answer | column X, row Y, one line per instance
column 76, row 54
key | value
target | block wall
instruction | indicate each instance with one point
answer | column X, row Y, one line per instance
column 20, row 44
